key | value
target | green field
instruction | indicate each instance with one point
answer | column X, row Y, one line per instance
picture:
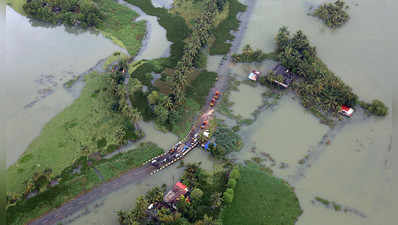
column 87, row 125
column 120, row 27
column 17, row 5
column 261, row 199
column 73, row 184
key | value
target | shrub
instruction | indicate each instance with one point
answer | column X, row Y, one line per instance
column 228, row 196
column 231, row 183
column 377, row 107
column 333, row 14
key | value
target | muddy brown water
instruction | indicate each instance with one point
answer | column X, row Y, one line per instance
column 355, row 169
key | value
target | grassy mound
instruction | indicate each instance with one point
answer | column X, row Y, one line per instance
column 88, row 125
column 261, row 199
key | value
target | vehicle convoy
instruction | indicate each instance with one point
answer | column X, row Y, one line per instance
column 181, row 148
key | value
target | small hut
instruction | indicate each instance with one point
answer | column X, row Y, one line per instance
column 287, row 76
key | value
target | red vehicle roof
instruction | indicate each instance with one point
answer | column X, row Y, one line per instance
column 181, row 186
column 345, row 108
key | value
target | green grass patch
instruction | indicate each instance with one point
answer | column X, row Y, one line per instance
column 188, row 9
column 73, row 184
column 222, row 31
column 118, row 25
column 187, row 113
column 17, row 5
column 79, row 127
column 261, row 199
column 177, row 29
column 199, row 88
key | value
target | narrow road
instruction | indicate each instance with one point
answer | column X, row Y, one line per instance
column 135, row 175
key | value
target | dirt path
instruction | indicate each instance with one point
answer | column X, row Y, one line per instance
column 135, row 175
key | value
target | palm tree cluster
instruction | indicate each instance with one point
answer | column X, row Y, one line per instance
column 320, row 88
column 199, row 38
column 333, row 14
column 119, row 73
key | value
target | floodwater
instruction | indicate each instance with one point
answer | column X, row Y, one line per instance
column 39, row 60
column 103, row 211
column 155, row 45
column 355, row 168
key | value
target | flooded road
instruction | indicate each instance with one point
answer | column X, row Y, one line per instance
column 39, row 60
column 354, row 168
column 104, row 211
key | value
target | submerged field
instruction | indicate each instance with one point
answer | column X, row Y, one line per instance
column 73, row 183
column 261, row 199
column 88, row 125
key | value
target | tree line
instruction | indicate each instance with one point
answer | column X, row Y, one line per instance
column 85, row 13
column 199, row 38
column 320, row 89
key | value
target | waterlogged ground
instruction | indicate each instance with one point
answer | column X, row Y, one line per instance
column 39, row 60
column 354, row 169
column 155, row 45
column 104, row 210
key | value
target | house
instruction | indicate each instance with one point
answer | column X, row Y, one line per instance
column 287, row 76
column 175, row 193
column 346, row 111
column 254, row 75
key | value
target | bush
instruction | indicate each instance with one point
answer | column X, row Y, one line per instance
column 377, row 107
column 231, row 183
column 235, row 174
column 249, row 55
column 333, row 14
column 228, row 196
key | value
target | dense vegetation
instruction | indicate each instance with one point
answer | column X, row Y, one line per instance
column 199, row 38
column 261, row 199
column 333, row 14
column 74, row 179
column 222, row 32
column 320, row 89
column 177, row 29
column 72, row 12
column 377, row 107
column 209, row 193
column 114, row 20
column 226, row 141
column 249, row 55
column 90, row 124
